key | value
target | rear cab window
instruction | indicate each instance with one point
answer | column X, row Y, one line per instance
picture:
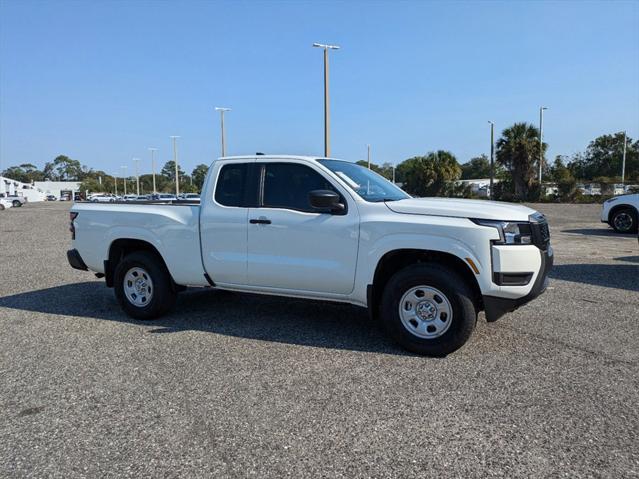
column 237, row 185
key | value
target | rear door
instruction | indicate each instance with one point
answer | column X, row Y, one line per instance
column 292, row 246
column 224, row 223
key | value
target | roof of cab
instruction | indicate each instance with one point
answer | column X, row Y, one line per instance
column 272, row 157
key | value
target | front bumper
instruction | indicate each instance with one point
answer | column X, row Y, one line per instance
column 75, row 260
column 495, row 307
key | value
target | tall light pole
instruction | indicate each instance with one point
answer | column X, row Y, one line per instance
column 153, row 150
column 124, row 178
column 222, row 110
column 137, row 175
column 368, row 150
column 541, row 142
column 492, row 159
column 115, row 180
column 623, row 160
column 327, row 143
column 175, row 160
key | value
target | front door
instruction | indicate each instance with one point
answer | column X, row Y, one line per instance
column 292, row 246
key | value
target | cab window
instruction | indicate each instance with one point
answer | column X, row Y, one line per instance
column 231, row 185
column 287, row 185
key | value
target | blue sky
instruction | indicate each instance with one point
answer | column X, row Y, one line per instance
column 102, row 81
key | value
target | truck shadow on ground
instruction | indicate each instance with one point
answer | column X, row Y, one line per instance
column 600, row 232
column 619, row 276
column 628, row 259
column 267, row 318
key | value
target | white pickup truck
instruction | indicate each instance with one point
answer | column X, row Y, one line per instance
column 322, row 229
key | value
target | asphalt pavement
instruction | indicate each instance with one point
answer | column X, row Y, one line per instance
column 237, row 385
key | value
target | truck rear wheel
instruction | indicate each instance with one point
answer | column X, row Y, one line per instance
column 143, row 286
column 428, row 309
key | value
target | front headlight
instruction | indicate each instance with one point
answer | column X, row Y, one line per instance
column 509, row 232
column 610, row 200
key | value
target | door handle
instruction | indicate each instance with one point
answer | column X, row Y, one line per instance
column 260, row 221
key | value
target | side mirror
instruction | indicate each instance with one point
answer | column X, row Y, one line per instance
column 325, row 200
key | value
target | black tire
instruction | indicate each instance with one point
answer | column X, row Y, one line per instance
column 16, row 203
column 458, row 295
column 163, row 295
column 1, row 207
column 624, row 220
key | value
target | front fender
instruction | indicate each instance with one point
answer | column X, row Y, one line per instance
column 465, row 241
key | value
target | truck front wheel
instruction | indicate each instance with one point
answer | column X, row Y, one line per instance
column 624, row 220
column 143, row 286
column 428, row 309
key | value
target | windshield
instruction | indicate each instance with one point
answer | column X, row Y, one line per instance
column 366, row 183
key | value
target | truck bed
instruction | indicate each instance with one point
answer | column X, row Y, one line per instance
column 171, row 228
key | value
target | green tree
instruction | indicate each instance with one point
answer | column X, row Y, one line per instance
column 603, row 158
column 16, row 173
column 518, row 153
column 26, row 173
column 430, row 175
column 478, row 167
column 566, row 182
column 66, row 169
column 198, row 174
column 32, row 171
column 168, row 170
column 100, row 183
column 50, row 172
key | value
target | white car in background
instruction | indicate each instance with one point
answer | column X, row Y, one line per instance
column 190, row 197
column 622, row 213
column 166, row 197
column 5, row 204
column 102, row 198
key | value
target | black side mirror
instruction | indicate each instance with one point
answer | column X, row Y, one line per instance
column 325, row 200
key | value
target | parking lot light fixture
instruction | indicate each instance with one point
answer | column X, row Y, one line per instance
column 153, row 150
column 327, row 142
column 124, row 178
column 137, row 175
column 541, row 142
column 175, row 160
column 222, row 110
column 492, row 158
column 623, row 159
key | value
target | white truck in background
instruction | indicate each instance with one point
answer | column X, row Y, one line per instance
column 322, row 229
column 16, row 200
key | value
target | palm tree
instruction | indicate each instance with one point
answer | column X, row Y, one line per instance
column 518, row 152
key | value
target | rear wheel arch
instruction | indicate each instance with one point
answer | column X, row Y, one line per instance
column 396, row 260
column 124, row 246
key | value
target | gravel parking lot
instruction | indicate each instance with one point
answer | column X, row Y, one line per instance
column 240, row 385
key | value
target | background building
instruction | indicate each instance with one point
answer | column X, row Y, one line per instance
column 58, row 188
